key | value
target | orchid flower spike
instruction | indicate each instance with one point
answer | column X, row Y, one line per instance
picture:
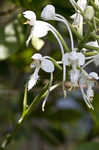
column 77, row 17
column 89, row 81
column 40, row 29
column 48, row 13
column 75, row 59
column 40, row 62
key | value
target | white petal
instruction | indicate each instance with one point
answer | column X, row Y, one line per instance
column 82, row 4
column 48, row 12
column 81, row 59
column 37, row 43
column 90, row 94
column 40, row 29
column 83, row 79
column 29, row 15
column 93, row 43
column 32, row 81
column 74, row 76
column 37, row 56
column 94, row 75
column 96, row 60
column 73, row 16
column 65, row 59
column 47, row 65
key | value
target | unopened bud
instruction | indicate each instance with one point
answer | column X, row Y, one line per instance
column 89, row 12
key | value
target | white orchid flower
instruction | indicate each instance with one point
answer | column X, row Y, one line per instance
column 74, row 59
column 40, row 28
column 88, row 80
column 48, row 13
column 77, row 17
column 43, row 63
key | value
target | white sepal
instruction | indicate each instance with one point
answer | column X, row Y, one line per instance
column 82, row 4
column 81, row 59
column 48, row 13
column 93, row 75
column 74, row 76
column 47, row 65
column 40, row 29
column 29, row 15
column 65, row 59
column 37, row 56
column 33, row 79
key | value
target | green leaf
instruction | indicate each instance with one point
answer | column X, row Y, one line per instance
column 95, row 113
column 25, row 99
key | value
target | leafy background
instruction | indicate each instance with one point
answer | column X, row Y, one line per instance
column 66, row 124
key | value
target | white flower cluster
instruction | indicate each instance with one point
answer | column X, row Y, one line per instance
column 78, row 76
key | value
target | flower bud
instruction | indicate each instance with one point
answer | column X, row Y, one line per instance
column 89, row 12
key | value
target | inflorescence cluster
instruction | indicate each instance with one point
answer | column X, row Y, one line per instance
column 74, row 58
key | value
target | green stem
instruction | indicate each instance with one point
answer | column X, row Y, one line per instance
column 25, row 99
column 91, row 47
column 42, row 94
column 91, row 53
column 84, row 39
column 63, row 43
